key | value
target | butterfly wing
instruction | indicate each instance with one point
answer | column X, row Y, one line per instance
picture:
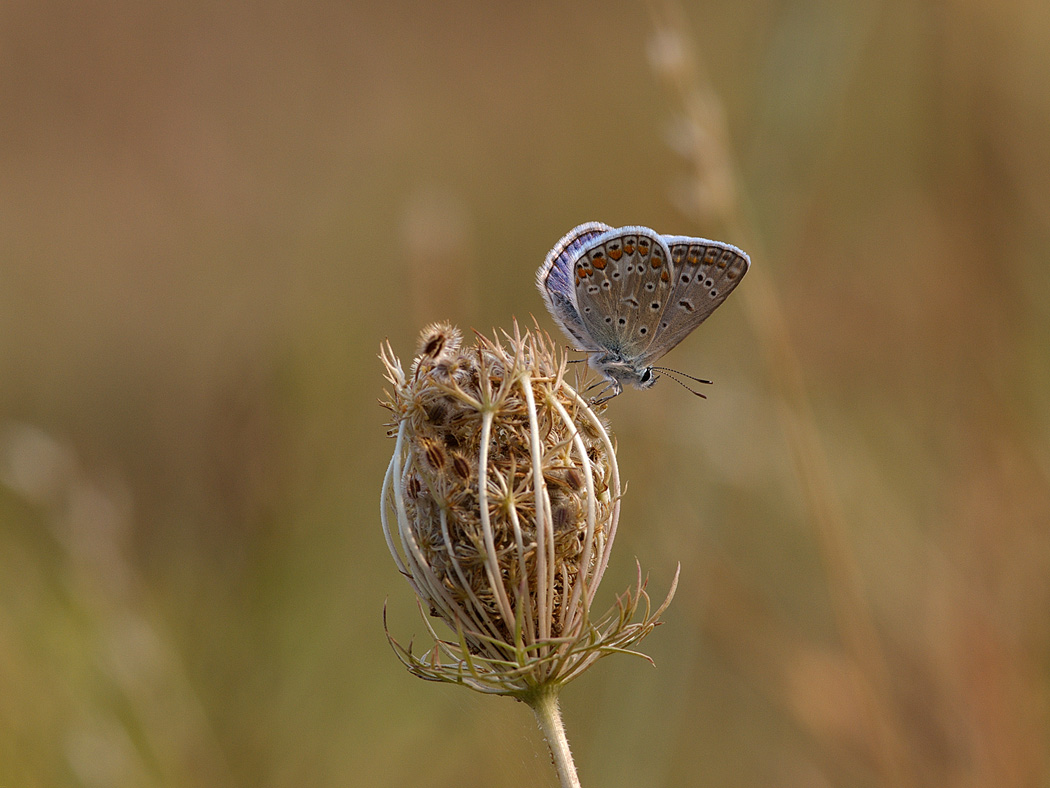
column 623, row 282
column 633, row 292
column 704, row 274
column 555, row 281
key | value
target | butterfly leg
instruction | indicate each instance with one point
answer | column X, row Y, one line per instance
column 617, row 389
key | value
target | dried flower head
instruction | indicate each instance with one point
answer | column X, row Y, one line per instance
column 500, row 506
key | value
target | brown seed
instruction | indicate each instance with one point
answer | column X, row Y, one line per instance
column 460, row 466
column 434, row 454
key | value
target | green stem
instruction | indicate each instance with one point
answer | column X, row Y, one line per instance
column 548, row 715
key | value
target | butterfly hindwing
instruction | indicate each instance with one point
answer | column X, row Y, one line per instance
column 623, row 282
column 555, row 279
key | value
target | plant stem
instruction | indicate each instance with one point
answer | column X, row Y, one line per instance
column 548, row 714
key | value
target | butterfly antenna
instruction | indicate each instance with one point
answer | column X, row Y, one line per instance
column 677, row 372
column 671, row 374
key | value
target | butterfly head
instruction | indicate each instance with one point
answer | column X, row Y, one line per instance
column 620, row 371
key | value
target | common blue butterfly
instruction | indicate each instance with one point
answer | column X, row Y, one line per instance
column 629, row 295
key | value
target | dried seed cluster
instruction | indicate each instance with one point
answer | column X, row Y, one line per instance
column 444, row 405
column 500, row 506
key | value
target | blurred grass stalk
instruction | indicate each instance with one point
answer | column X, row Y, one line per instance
column 148, row 725
column 676, row 62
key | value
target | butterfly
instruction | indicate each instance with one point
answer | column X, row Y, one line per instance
column 629, row 295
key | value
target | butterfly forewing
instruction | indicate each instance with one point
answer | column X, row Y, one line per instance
column 705, row 273
column 623, row 280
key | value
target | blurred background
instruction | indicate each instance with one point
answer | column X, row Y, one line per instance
column 212, row 213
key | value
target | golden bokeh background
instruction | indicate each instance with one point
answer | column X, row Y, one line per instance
column 212, row 213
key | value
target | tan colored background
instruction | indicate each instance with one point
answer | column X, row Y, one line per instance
column 212, row 213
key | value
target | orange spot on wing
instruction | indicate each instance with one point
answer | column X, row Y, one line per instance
column 599, row 263
column 616, row 254
column 665, row 276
